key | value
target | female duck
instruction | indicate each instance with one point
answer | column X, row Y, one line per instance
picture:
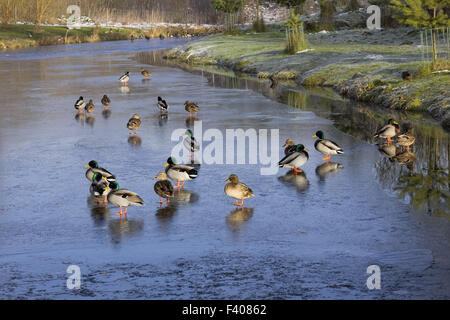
column 406, row 140
column 163, row 187
column 191, row 107
column 134, row 123
column 290, row 146
column 145, row 73
column 179, row 172
column 295, row 159
column 95, row 168
column 325, row 146
column 106, row 101
column 123, row 198
column 390, row 130
column 90, row 107
column 237, row 190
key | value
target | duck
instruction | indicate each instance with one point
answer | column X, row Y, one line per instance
column 237, row 190
column 406, row 158
column 405, row 140
column 106, row 101
column 163, row 187
column 191, row 107
column 295, row 159
column 290, row 146
column 98, row 187
column 80, row 104
column 125, row 78
column 162, row 105
column 134, row 123
column 90, row 107
column 325, row 146
column 179, row 172
column 190, row 142
column 390, row 130
column 93, row 168
column 145, row 73
column 123, row 198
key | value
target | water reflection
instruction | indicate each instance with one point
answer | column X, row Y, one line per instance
column 239, row 217
column 165, row 215
column 190, row 121
column 134, row 141
column 125, row 89
column 184, row 196
column 90, row 120
column 119, row 229
column 80, row 118
column 299, row 180
column 392, row 168
column 99, row 215
column 325, row 170
column 106, row 113
column 389, row 151
column 162, row 119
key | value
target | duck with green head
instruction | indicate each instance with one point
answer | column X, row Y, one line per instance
column 326, row 146
column 390, row 130
column 179, row 172
column 93, row 168
column 295, row 159
column 99, row 187
column 123, row 198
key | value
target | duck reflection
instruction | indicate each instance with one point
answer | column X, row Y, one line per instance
column 162, row 119
column 389, row 151
column 165, row 215
column 134, row 141
column 184, row 196
column 190, row 121
column 80, row 117
column 125, row 89
column 120, row 228
column 327, row 169
column 299, row 180
column 100, row 214
column 238, row 217
column 406, row 158
column 106, row 113
column 90, row 120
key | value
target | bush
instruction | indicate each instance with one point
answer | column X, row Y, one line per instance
column 259, row 26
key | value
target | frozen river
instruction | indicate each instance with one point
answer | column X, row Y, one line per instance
column 306, row 237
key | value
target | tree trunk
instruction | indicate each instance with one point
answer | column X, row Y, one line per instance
column 433, row 31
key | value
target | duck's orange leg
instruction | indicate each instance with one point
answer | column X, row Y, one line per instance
column 297, row 171
column 105, row 201
column 178, row 185
column 388, row 141
column 327, row 157
column 122, row 212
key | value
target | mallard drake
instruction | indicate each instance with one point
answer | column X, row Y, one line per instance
column 98, row 187
column 191, row 107
column 163, row 187
column 179, row 172
column 145, row 73
column 90, row 107
column 190, row 142
column 124, row 78
column 134, row 123
column 80, row 104
column 162, row 105
column 295, row 159
column 123, row 198
column 405, row 140
column 237, row 190
column 106, row 101
column 290, row 146
column 95, row 168
column 325, row 146
column 390, row 130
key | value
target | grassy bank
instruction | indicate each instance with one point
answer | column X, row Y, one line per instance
column 360, row 64
column 15, row 36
